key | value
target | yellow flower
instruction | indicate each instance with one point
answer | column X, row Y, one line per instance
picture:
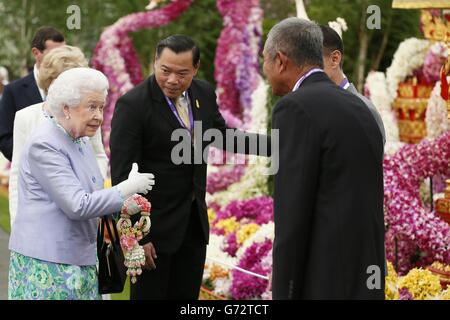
column 228, row 225
column 211, row 216
column 391, row 289
column 218, row 272
column 421, row 283
column 245, row 232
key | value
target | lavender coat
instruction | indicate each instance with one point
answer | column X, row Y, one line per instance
column 60, row 197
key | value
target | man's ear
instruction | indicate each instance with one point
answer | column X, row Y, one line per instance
column 336, row 58
column 35, row 52
column 196, row 67
column 281, row 61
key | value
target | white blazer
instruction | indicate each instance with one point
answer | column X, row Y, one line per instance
column 25, row 122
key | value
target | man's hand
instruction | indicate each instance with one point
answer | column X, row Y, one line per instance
column 150, row 256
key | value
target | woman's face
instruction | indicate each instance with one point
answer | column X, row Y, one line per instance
column 85, row 119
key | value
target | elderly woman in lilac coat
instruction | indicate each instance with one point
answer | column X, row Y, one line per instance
column 61, row 195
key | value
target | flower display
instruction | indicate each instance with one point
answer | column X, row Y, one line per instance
column 406, row 218
column 421, row 284
column 259, row 210
column 246, row 286
column 116, row 57
column 417, row 284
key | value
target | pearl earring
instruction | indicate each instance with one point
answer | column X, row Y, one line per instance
column 67, row 117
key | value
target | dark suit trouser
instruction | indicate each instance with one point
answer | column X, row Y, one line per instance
column 177, row 275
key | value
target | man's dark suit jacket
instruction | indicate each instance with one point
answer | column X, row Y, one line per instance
column 329, row 227
column 16, row 95
column 141, row 131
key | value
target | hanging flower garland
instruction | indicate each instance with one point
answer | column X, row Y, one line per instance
column 130, row 235
column 116, row 57
column 405, row 215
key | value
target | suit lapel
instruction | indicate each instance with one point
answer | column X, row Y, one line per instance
column 163, row 108
column 196, row 103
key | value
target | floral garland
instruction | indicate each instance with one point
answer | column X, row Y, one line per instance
column 376, row 90
column 131, row 235
column 116, row 57
column 406, row 217
column 409, row 56
column 436, row 114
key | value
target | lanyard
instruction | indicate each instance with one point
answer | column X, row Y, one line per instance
column 344, row 84
column 175, row 112
column 310, row 72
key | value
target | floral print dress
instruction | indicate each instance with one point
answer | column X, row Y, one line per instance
column 34, row 279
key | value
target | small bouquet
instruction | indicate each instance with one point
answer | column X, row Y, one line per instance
column 131, row 235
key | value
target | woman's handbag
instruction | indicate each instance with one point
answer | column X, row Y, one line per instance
column 111, row 269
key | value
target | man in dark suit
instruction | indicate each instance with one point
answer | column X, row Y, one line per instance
column 333, row 60
column 25, row 91
column 144, row 124
column 328, row 199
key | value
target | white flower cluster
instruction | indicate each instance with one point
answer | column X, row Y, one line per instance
column 409, row 56
column 379, row 95
column 436, row 115
column 339, row 25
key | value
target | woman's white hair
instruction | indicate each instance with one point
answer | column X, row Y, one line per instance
column 72, row 85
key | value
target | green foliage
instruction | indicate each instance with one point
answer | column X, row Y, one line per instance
column 20, row 19
column 4, row 213
column 404, row 24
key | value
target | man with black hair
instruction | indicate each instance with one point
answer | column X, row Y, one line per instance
column 333, row 60
column 142, row 130
column 25, row 92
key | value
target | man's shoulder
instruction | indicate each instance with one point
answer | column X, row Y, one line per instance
column 17, row 84
column 203, row 84
column 139, row 92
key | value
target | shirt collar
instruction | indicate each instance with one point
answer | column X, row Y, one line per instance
column 36, row 77
column 306, row 75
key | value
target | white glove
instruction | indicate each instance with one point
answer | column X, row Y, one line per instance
column 136, row 183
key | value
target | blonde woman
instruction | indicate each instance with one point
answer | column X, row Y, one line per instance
column 28, row 119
